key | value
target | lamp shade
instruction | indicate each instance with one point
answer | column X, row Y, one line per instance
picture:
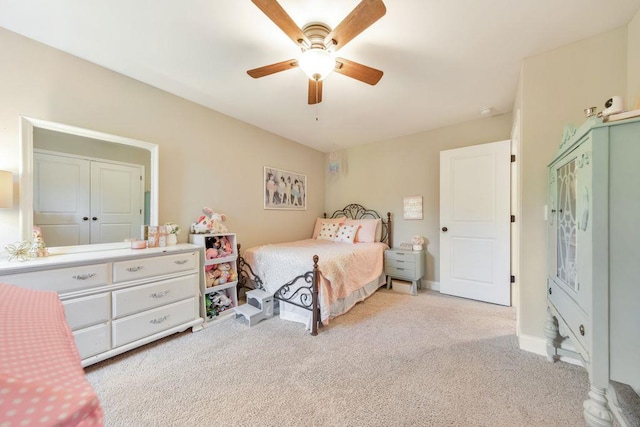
column 316, row 63
column 6, row 189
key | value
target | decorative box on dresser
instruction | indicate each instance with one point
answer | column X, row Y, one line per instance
column 404, row 264
column 228, row 287
column 593, row 284
column 118, row 299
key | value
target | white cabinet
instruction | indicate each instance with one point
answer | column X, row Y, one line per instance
column 219, row 274
column 593, row 268
column 116, row 300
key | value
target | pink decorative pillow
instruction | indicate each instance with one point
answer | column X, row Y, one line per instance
column 328, row 231
column 367, row 231
column 319, row 221
column 346, row 233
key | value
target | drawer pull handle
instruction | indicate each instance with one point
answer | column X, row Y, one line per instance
column 550, row 291
column 159, row 294
column 581, row 329
column 400, row 268
column 134, row 269
column 84, row 276
column 181, row 261
column 159, row 320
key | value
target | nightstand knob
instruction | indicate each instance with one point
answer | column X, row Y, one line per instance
column 445, row 229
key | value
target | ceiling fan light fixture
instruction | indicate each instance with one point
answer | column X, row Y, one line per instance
column 316, row 63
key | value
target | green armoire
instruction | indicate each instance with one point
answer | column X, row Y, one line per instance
column 593, row 277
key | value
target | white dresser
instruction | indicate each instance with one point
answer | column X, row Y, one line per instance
column 593, row 285
column 118, row 299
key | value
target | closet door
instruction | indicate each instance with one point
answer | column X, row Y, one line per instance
column 61, row 199
column 116, row 202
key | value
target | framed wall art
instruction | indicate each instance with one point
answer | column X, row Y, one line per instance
column 284, row 189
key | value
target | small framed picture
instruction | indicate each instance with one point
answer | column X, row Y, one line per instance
column 413, row 207
column 284, row 189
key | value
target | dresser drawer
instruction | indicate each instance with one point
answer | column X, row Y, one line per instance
column 125, row 271
column 144, row 297
column 402, row 273
column 87, row 311
column 573, row 317
column 62, row 280
column 93, row 340
column 151, row 322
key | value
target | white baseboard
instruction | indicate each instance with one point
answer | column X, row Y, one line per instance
column 428, row 284
column 538, row 345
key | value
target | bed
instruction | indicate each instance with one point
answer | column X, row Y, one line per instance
column 317, row 279
column 41, row 380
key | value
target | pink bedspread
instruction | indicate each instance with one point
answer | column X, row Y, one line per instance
column 41, row 380
column 344, row 267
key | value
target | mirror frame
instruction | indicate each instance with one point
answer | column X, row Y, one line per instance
column 27, row 124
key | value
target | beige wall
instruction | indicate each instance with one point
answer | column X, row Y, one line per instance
column 206, row 158
column 556, row 87
column 380, row 175
column 633, row 63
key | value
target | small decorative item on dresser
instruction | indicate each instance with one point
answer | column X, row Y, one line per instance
column 173, row 230
column 38, row 248
column 19, row 251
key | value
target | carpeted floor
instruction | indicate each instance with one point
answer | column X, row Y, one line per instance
column 393, row 360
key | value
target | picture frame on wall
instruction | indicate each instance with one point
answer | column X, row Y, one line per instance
column 284, row 190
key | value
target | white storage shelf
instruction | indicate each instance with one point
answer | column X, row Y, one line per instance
column 219, row 248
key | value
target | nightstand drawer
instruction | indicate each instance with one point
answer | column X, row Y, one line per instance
column 402, row 273
column 406, row 264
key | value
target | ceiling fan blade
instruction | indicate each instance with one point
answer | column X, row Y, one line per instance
column 358, row 71
column 360, row 18
column 315, row 91
column 273, row 68
column 281, row 18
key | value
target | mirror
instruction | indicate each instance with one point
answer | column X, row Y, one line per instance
column 84, row 153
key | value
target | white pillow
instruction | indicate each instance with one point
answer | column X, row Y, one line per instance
column 346, row 233
column 319, row 221
column 328, row 231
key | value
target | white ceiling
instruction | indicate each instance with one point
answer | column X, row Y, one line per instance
column 443, row 60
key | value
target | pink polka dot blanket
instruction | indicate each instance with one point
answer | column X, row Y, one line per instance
column 42, row 382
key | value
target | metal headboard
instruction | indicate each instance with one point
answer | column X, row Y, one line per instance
column 356, row 211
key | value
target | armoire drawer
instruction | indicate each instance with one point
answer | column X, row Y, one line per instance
column 151, row 322
column 87, row 311
column 125, row 271
column 63, row 280
column 575, row 319
column 141, row 298
column 93, row 340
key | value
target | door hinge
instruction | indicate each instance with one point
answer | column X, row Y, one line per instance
column 140, row 177
column 513, row 279
column 513, row 218
column 140, row 210
column 513, row 158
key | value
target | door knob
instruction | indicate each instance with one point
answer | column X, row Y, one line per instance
column 445, row 229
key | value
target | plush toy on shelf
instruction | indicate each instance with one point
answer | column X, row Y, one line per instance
column 210, row 222
column 219, row 274
column 216, row 303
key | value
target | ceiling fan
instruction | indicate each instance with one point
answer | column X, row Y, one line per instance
column 318, row 43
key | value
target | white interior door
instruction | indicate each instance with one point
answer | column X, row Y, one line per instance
column 61, row 199
column 116, row 202
column 475, row 222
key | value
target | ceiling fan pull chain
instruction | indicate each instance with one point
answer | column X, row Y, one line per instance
column 317, row 103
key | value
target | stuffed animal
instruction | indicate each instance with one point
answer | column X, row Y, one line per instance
column 216, row 303
column 210, row 222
